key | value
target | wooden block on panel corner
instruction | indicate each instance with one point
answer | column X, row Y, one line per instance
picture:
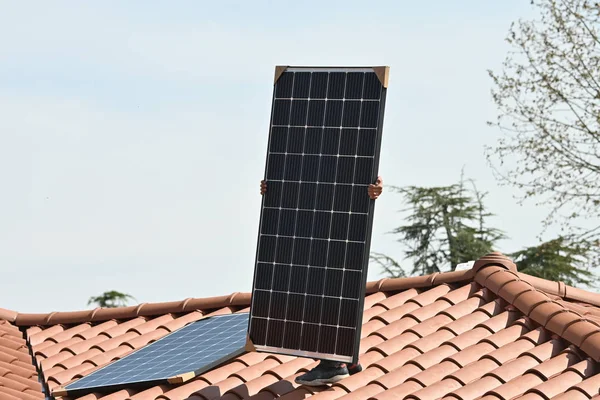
column 383, row 73
column 279, row 70
column 59, row 392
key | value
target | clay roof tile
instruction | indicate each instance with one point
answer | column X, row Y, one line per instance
column 481, row 333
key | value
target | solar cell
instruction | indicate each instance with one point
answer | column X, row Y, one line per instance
column 177, row 357
column 316, row 216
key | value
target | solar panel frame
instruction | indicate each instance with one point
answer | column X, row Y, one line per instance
column 233, row 323
column 382, row 74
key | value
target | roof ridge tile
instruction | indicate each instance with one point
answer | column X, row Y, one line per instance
column 8, row 315
column 242, row 298
column 554, row 317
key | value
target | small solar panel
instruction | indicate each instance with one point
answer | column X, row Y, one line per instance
column 189, row 351
column 316, row 217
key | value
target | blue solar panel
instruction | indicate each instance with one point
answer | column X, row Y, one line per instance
column 194, row 349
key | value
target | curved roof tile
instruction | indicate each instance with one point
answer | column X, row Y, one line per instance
column 487, row 332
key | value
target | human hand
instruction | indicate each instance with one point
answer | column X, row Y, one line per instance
column 263, row 187
column 376, row 189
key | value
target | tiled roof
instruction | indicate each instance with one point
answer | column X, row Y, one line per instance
column 489, row 333
column 18, row 375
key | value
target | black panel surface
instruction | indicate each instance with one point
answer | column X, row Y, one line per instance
column 316, row 217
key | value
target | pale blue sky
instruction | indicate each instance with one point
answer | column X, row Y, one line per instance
column 133, row 134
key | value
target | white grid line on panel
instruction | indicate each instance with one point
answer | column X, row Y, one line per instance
column 315, row 211
column 358, row 128
column 183, row 343
column 321, row 155
column 311, row 323
column 308, row 294
column 155, row 361
column 296, row 220
column 319, row 99
column 321, row 183
column 313, row 219
column 279, row 217
column 306, row 266
column 209, row 350
column 310, row 238
column 135, row 359
column 332, row 205
column 362, row 93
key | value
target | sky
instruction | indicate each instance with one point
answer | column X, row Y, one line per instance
column 133, row 135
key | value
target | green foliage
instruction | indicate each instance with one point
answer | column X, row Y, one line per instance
column 448, row 225
column 548, row 100
column 111, row 299
column 445, row 226
column 561, row 259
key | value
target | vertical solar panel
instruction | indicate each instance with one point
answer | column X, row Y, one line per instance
column 316, row 216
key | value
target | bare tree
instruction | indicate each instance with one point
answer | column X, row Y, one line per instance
column 548, row 99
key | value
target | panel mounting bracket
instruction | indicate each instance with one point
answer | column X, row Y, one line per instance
column 279, row 70
column 383, row 73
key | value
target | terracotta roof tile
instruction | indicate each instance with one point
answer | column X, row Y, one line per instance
column 435, row 391
column 116, row 341
column 7, row 393
column 514, row 368
column 18, row 376
column 398, row 392
column 398, row 376
column 431, row 341
column 395, row 300
column 474, row 371
column 565, row 380
column 555, row 317
column 532, row 342
column 369, row 315
column 150, row 394
column 489, row 332
column 475, row 389
column 330, row 394
column 535, row 376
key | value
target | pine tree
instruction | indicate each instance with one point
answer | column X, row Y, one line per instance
column 445, row 226
column 561, row 259
column 448, row 225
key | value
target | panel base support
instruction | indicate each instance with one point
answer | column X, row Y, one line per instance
column 305, row 354
column 59, row 392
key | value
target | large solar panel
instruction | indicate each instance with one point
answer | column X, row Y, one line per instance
column 316, row 216
column 177, row 357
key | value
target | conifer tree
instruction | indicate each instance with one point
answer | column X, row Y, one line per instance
column 446, row 225
column 561, row 259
